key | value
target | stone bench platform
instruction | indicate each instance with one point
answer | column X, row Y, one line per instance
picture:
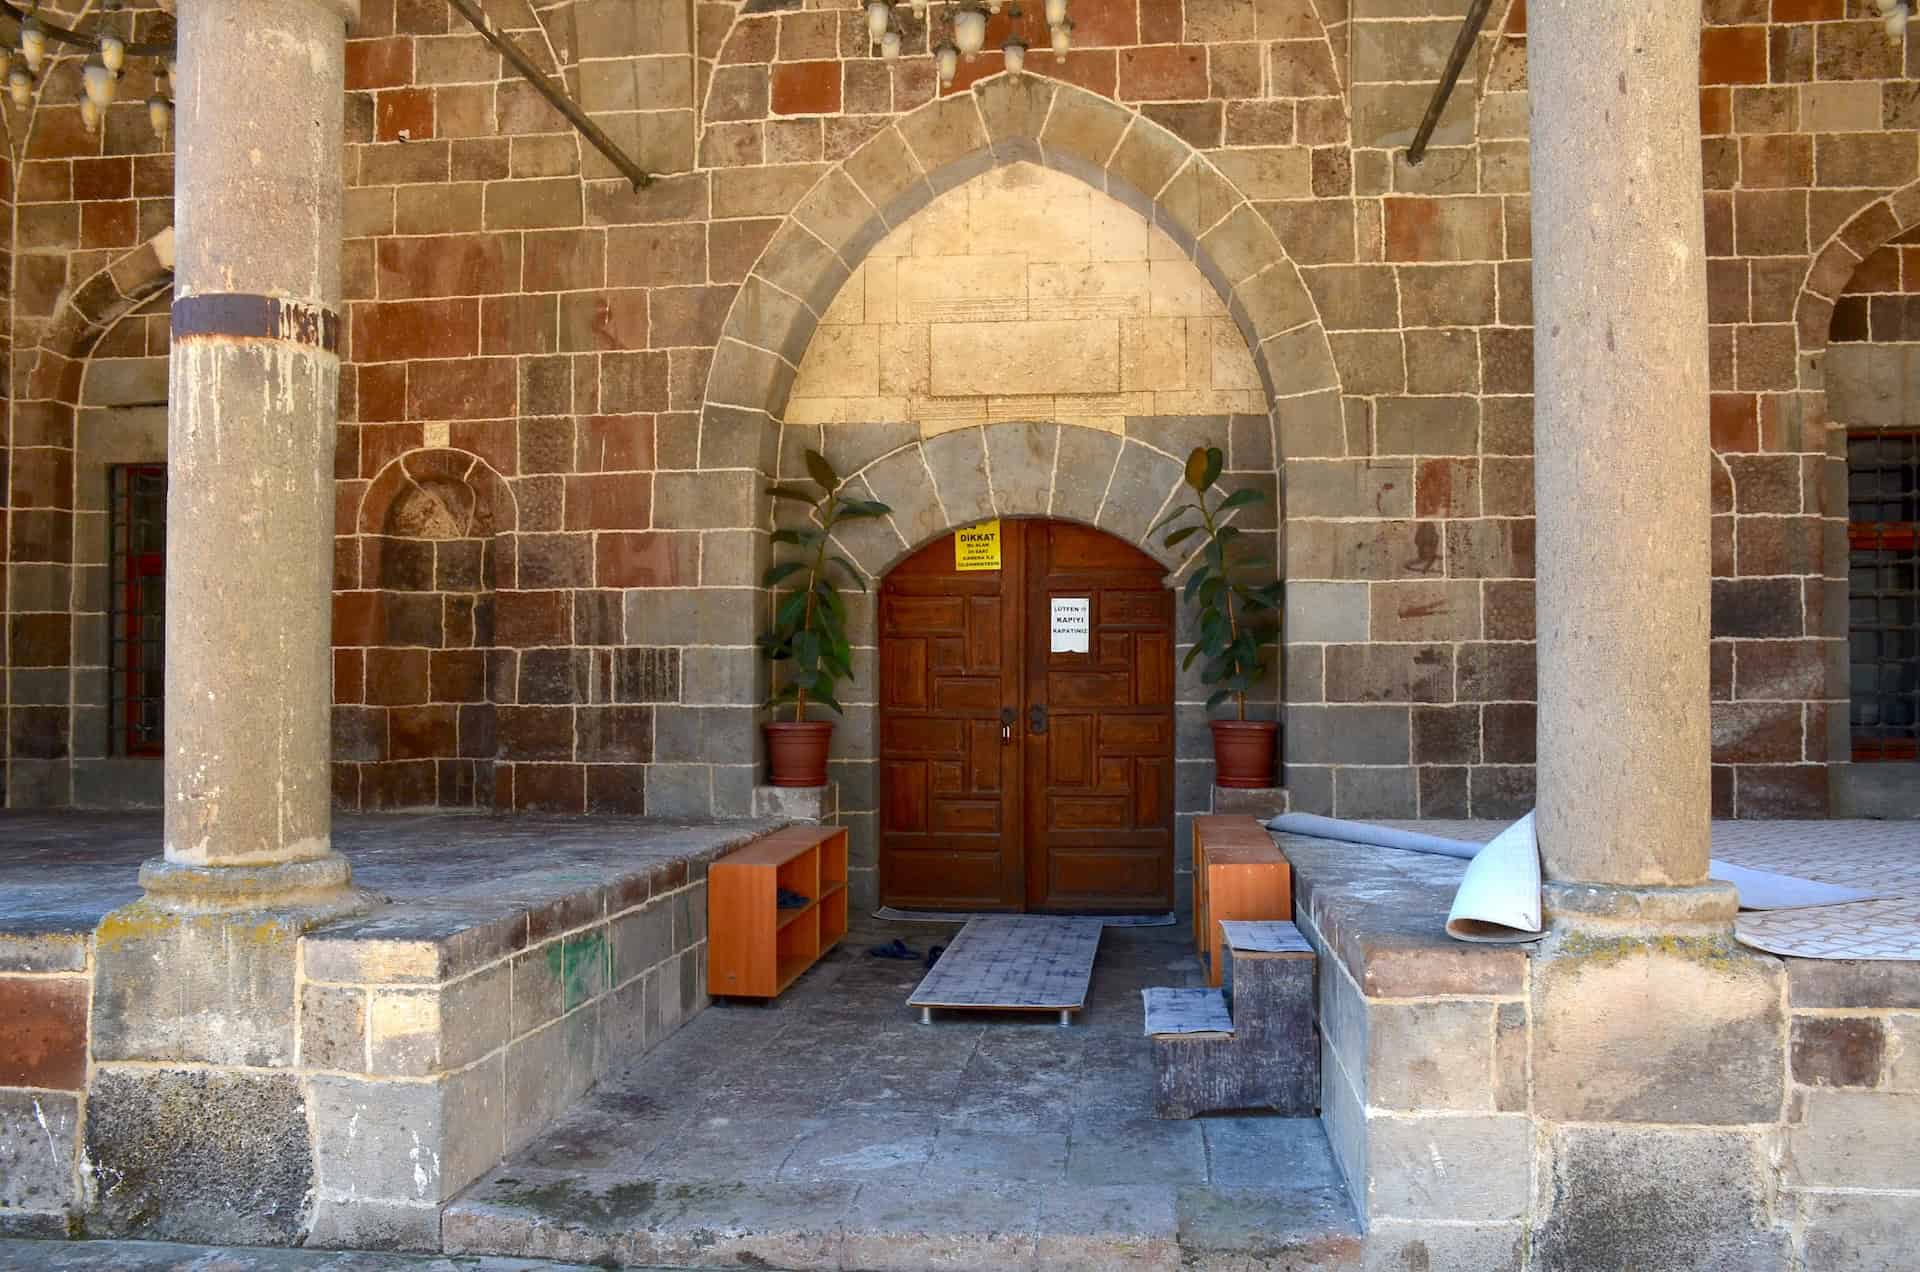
column 515, row 961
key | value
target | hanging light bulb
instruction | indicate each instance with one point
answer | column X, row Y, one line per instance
column 970, row 30
column 946, row 60
column 890, row 45
column 1896, row 22
column 1056, row 12
column 159, row 114
column 113, row 52
column 879, row 18
column 20, row 85
column 993, row 6
column 1063, row 37
column 33, row 44
column 98, row 81
column 1016, row 53
column 89, row 114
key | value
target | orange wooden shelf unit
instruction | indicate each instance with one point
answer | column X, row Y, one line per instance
column 1238, row 873
column 755, row 949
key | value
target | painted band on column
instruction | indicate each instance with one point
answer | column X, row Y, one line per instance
column 245, row 316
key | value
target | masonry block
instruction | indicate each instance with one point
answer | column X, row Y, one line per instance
column 37, row 1138
column 43, row 1031
column 1604, row 1046
column 199, row 1155
column 1633, row 1197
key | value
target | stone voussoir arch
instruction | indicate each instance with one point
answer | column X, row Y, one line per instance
column 494, row 504
column 1064, row 471
column 1006, row 119
column 1863, row 234
column 88, row 310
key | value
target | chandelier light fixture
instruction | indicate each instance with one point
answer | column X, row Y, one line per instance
column 106, row 60
column 1896, row 14
column 963, row 30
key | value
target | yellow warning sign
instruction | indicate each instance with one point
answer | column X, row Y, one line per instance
column 977, row 547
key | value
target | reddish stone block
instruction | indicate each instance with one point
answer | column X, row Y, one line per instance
column 603, row 320
column 1809, row 10
column 380, row 392
column 535, row 733
column 616, row 443
column 461, row 388
column 1733, row 55
column 109, row 224
column 755, row 38
column 525, row 619
column 457, row 675
column 1781, row 790
column 403, row 114
column 564, row 260
column 40, row 639
column 397, row 677
column 645, row 560
column 1161, row 21
column 806, row 88
column 1838, row 1051
column 359, row 618
column 1734, row 422
column 1165, row 72
column 349, row 676
column 549, row 788
column 43, row 1032
column 1442, row 229
column 395, row 330
column 1508, row 730
column 1095, row 70
column 612, row 501
column 449, row 265
column 1716, row 111
column 110, row 178
column 384, row 63
column 416, row 733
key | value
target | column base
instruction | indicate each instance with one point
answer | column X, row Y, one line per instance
column 320, row 887
column 1572, row 904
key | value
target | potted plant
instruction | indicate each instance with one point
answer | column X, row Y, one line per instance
column 809, row 631
column 1239, row 618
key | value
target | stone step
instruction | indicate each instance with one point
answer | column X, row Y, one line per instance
column 611, row 1221
column 1249, row 1045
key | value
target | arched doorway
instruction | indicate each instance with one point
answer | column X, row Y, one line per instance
column 1026, row 759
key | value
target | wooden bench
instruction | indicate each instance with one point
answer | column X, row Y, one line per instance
column 756, row 947
column 1238, row 873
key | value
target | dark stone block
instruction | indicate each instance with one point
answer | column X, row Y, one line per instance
column 200, row 1155
column 647, row 675
column 1669, row 1199
column 1838, row 1050
column 1756, row 607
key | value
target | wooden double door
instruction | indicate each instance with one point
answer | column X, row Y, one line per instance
column 1015, row 775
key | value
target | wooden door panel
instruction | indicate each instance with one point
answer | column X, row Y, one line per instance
column 1107, row 846
column 949, row 840
column 1075, row 814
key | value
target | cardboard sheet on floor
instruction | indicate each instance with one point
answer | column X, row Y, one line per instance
column 1186, row 1011
column 1014, row 962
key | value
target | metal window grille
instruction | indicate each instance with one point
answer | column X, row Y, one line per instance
column 1883, row 621
column 138, row 606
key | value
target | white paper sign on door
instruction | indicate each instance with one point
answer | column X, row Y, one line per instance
column 1072, row 624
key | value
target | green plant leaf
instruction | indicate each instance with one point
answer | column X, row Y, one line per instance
column 786, row 569
column 867, row 508
column 821, row 471
column 824, row 696
column 1172, row 517
column 1210, row 590
column 794, row 493
column 1218, row 697
column 1196, row 474
column 1195, row 582
column 1215, row 462
column 1241, row 498
column 1187, row 662
column 1177, row 537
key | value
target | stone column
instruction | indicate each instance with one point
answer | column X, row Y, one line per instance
column 1620, row 441
column 1656, row 1062
column 196, row 1108
column 253, row 397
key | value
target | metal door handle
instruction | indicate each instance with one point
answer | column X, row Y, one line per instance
column 1037, row 718
column 1007, row 717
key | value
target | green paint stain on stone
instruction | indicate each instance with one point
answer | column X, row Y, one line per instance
column 586, row 968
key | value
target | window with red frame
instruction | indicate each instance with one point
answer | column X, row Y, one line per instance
column 138, row 616
column 1883, row 591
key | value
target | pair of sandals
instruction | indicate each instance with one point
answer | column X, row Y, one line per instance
column 899, row 949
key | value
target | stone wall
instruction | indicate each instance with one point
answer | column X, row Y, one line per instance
column 43, row 1077
column 623, row 359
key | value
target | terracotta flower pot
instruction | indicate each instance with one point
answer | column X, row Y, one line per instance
column 1243, row 752
column 797, row 752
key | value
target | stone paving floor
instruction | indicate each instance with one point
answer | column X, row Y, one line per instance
column 830, row 1129
column 154, row 1256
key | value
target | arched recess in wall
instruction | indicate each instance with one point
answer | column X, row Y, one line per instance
column 1860, row 353
column 417, row 679
column 42, row 736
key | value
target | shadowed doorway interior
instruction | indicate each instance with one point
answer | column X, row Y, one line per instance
column 1016, row 774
